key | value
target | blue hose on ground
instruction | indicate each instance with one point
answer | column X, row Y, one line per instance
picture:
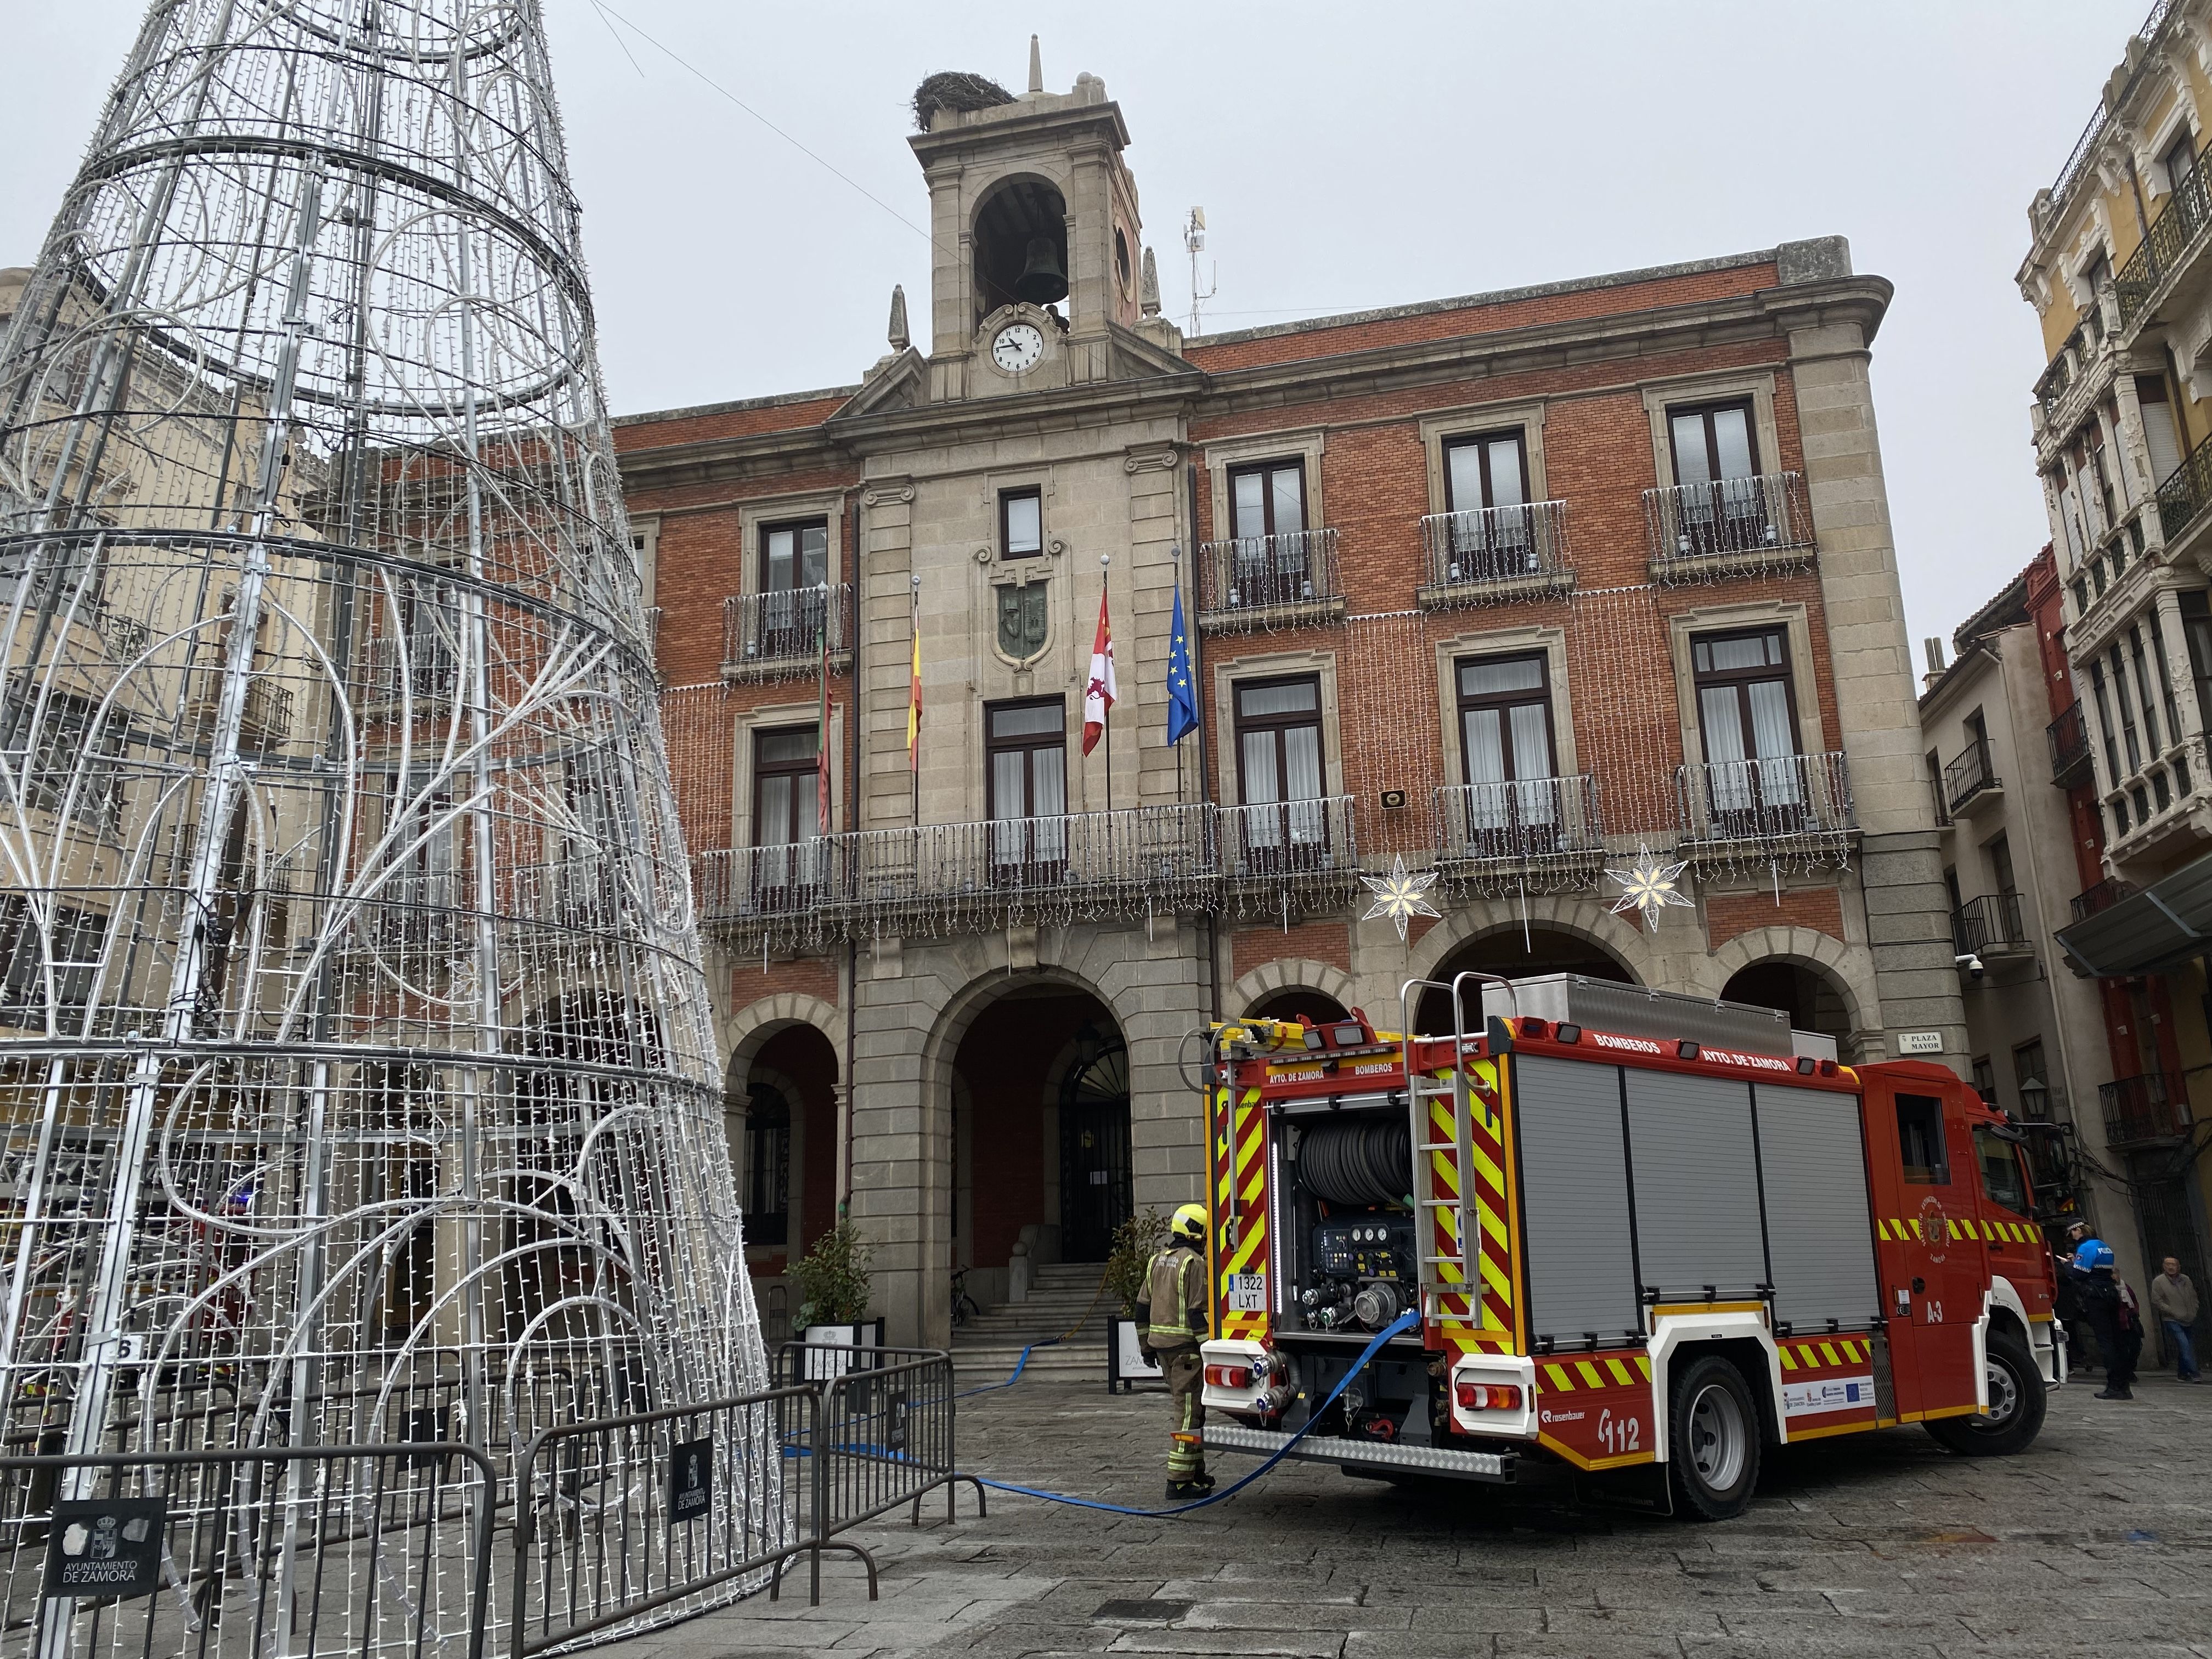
column 1404, row 1321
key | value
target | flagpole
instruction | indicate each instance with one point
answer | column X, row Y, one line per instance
column 1103, row 560
column 914, row 736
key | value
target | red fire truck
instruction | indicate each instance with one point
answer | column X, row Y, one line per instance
column 1646, row 1235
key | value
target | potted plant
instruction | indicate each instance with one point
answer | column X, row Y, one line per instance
column 833, row 1299
column 1136, row 1242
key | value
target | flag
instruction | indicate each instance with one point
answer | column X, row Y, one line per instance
column 822, row 756
column 914, row 695
column 1182, row 695
column 1098, row 695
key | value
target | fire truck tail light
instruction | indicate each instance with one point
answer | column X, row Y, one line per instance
column 1228, row 1377
column 1489, row 1396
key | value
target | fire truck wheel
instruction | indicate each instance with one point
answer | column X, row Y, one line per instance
column 2017, row 1404
column 1716, row 1441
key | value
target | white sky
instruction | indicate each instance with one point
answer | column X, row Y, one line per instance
column 1347, row 156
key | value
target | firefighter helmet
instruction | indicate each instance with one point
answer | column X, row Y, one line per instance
column 1189, row 1223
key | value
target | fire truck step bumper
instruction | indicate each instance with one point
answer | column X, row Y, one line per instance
column 1365, row 1457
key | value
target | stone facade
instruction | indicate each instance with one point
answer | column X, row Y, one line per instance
column 998, row 945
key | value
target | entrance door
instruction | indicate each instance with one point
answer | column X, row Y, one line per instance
column 1931, row 1266
column 1094, row 1153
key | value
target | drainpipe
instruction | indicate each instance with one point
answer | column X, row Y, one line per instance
column 852, row 812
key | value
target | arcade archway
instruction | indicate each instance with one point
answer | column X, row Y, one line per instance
column 1512, row 953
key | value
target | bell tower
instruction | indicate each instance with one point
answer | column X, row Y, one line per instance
column 1037, row 279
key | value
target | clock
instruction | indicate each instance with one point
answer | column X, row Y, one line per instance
column 1018, row 347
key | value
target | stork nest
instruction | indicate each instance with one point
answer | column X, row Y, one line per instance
column 960, row 92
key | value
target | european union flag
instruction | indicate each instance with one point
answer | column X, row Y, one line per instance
column 1183, row 694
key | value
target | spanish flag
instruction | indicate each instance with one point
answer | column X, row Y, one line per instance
column 914, row 695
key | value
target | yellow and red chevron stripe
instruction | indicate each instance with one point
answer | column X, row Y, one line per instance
column 1461, row 1315
column 1598, row 1370
column 1821, row 1353
column 1239, row 1149
column 1910, row 1228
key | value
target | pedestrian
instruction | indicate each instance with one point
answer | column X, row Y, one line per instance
column 2097, row 1286
column 1174, row 1315
column 2173, row 1304
column 2081, row 1356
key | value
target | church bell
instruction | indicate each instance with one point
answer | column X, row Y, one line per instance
column 1041, row 281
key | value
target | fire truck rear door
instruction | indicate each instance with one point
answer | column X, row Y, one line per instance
column 1932, row 1267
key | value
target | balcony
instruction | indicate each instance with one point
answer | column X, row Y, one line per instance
column 1284, row 857
column 1971, row 778
column 2151, row 1110
column 2163, row 251
column 1269, row 581
column 2183, row 493
column 1792, row 807
column 1729, row 526
column 265, row 719
column 1532, row 834
column 2103, row 896
column 401, row 676
column 741, row 889
column 1488, row 556
column 2069, row 748
column 782, row 635
column 1990, row 926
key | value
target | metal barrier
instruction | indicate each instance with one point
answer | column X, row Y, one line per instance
column 627, row 1517
column 336, row 1549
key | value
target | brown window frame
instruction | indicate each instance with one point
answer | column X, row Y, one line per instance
column 1480, row 442
column 795, row 769
column 1027, row 745
column 1747, row 804
column 797, row 554
column 1743, row 678
column 1705, row 412
column 1027, row 493
column 1265, row 470
column 2185, row 141
column 1286, row 847
column 1504, row 702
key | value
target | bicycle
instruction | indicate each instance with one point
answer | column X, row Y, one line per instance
column 962, row 1304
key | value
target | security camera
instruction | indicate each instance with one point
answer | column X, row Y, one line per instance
column 1972, row 963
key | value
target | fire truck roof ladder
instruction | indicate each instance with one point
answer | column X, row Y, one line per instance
column 1421, row 1090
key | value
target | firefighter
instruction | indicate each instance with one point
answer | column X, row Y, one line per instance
column 1171, row 1322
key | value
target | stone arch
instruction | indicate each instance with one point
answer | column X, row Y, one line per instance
column 745, row 1031
column 1291, row 973
column 1847, row 972
column 1582, row 918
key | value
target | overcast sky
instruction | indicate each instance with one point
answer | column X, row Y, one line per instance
column 1346, row 156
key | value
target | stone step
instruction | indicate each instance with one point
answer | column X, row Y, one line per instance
column 1069, row 1362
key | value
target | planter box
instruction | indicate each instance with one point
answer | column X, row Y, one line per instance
column 834, row 1349
column 1125, row 1366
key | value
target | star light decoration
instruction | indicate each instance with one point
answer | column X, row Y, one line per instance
column 1400, row 895
column 1648, row 887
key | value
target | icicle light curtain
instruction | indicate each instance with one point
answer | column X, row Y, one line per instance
column 355, row 1065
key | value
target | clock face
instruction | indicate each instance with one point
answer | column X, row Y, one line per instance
column 1018, row 347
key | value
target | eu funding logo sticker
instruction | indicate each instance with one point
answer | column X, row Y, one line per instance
column 691, row 1479
column 106, row 1547
column 1835, row 1393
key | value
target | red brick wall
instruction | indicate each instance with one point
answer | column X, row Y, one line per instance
column 1728, row 914
column 1314, row 941
column 667, row 431
column 806, row 976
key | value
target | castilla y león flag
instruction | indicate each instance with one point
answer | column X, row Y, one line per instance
column 1098, row 695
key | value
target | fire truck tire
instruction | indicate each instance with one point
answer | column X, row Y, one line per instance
column 2017, row 1405
column 1716, row 1441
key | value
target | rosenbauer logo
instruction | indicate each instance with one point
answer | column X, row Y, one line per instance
column 1551, row 1416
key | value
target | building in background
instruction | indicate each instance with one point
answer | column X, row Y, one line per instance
column 1512, row 587
column 2120, row 272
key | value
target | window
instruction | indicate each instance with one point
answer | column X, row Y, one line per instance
column 1506, row 746
column 1279, row 766
column 768, row 1167
column 1920, row 1140
column 71, row 736
column 2003, row 1181
column 2096, row 478
column 786, row 808
column 1025, row 746
column 1721, row 507
column 2031, row 1081
column 1487, row 491
column 1713, row 442
column 2096, row 277
column 1748, row 715
column 1267, row 500
column 2145, row 689
column 78, row 937
column 2178, row 158
column 2197, row 629
column 1021, row 523
column 1936, row 788
column 1985, row 1080
column 2160, row 435
column 2106, row 725
column 2128, row 736
column 794, row 567
column 2000, row 850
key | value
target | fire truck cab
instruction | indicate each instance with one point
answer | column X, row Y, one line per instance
column 1640, row 1231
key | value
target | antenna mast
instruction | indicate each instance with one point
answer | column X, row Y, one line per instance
column 1193, row 238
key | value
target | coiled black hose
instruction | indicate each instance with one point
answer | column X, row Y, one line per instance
column 1358, row 1161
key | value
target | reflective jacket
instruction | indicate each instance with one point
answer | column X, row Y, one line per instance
column 1171, row 1309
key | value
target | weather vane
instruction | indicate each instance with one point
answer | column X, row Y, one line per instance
column 1648, row 887
column 1400, row 895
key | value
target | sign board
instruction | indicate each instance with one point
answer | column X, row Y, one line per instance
column 894, row 1420
column 1128, row 1365
column 1920, row 1042
column 106, row 1547
column 691, row 1479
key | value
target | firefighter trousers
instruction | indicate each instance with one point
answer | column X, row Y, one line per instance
column 1185, row 1376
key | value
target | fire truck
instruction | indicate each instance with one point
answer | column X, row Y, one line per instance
column 1645, row 1236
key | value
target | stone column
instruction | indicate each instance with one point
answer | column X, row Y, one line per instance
column 1908, row 912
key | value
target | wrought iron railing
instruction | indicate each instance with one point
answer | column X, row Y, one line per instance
column 1969, row 775
column 781, row 632
column 1765, row 804
column 2070, row 746
column 2077, row 160
column 1281, row 856
column 265, row 719
column 2103, row 896
column 1525, row 822
column 2188, row 210
column 419, row 671
column 2183, row 492
column 1494, row 551
column 1989, row 924
column 2141, row 1111
column 2060, row 375
column 1250, row 579
column 766, row 883
column 1745, row 517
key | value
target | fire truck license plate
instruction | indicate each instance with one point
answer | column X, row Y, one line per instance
column 1247, row 1293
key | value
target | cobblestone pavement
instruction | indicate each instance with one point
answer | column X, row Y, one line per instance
column 2098, row 1540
